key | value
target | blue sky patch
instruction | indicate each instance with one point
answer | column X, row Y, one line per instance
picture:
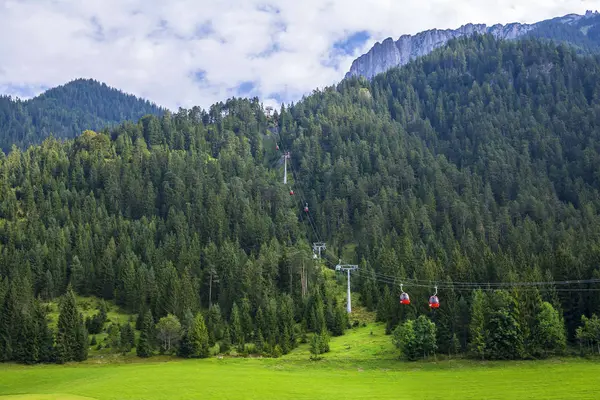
column 355, row 40
column 245, row 88
column 22, row 91
column 199, row 75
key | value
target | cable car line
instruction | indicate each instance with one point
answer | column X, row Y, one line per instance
column 469, row 289
column 298, row 189
column 434, row 301
column 494, row 284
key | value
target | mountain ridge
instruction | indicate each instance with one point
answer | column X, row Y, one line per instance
column 389, row 53
column 67, row 110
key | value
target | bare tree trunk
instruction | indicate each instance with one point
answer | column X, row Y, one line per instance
column 303, row 277
column 210, row 291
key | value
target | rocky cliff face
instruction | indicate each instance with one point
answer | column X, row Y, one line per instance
column 389, row 54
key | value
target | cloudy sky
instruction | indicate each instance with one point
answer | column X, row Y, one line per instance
column 186, row 53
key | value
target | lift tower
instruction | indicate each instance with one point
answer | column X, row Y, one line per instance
column 317, row 247
column 347, row 268
column 285, row 158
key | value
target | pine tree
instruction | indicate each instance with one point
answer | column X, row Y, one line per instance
column 26, row 347
column 9, row 323
column 340, row 320
column 259, row 322
column 477, row 325
column 114, row 338
column 71, row 337
column 259, row 341
column 198, row 338
column 315, row 346
column 77, row 277
column 44, row 333
column 81, row 351
column 237, row 332
column 504, row 338
column 127, row 338
column 246, row 319
column 214, row 324
column 139, row 320
column 145, row 344
column 48, row 290
column 226, row 342
column 385, row 310
column 318, row 312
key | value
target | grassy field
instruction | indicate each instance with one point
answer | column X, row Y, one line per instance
column 360, row 365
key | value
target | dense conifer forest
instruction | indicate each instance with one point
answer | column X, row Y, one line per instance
column 475, row 164
column 66, row 111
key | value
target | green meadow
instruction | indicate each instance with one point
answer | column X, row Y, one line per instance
column 361, row 364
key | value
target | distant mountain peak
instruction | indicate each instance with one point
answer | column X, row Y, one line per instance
column 389, row 53
column 67, row 110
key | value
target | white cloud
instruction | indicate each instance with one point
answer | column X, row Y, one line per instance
column 154, row 49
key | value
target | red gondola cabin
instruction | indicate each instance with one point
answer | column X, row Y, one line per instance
column 404, row 299
column 434, row 302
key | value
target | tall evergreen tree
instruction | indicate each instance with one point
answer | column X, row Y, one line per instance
column 237, row 330
column 145, row 345
column 71, row 337
column 477, row 325
column 198, row 338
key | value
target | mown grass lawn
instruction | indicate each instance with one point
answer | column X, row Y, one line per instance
column 360, row 365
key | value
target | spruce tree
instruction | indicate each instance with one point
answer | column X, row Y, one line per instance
column 226, row 342
column 320, row 324
column 477, row 325
column 384, row 312
column 259, row 342
column 214, row 324
column 71, row 337
column 9, row 324
column 26, row 346
column 259, row 322
column 127, row 338
column 246, row 319
column 45, row 335
column 145, row 345
column 114, row 338
column 82, row 348
column 340, row 320
column 198, row 338
column 237, row 332
column 315, row 346
column 139, row 320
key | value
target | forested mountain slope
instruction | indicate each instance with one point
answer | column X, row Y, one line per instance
column 66, row 111
column 476, row 163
